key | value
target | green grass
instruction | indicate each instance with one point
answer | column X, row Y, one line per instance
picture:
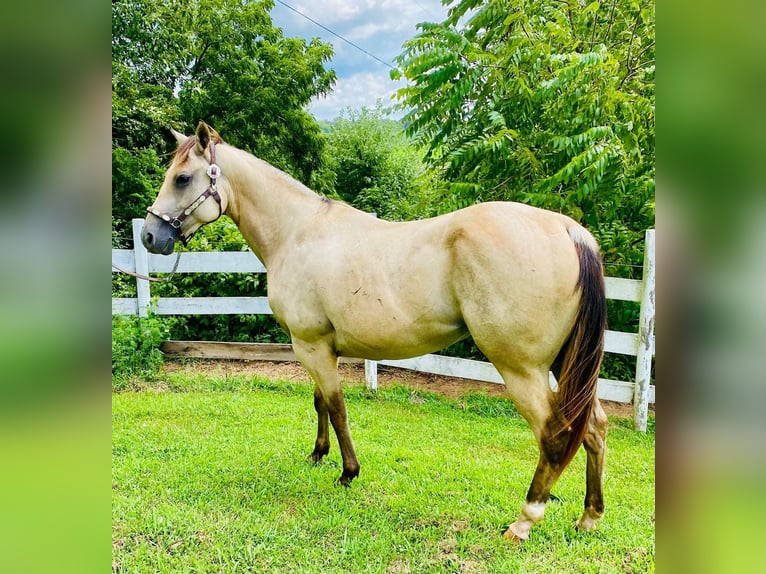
column 211, row 475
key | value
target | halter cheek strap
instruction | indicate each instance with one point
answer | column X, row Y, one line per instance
column 213, row 172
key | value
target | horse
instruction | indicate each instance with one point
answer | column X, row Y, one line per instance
column 527, row 284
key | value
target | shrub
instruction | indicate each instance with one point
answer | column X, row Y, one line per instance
column 136, row 348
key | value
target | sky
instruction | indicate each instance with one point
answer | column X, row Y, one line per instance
column 378, row 26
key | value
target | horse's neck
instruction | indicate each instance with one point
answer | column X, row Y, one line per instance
column 268, row 206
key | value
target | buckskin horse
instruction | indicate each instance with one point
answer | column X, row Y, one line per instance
column 525, row 283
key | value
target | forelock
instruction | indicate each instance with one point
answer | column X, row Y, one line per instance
column 182, row 153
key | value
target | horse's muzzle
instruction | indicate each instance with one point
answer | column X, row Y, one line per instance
column 159, row 236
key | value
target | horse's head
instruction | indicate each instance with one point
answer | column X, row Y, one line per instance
column 190, row 196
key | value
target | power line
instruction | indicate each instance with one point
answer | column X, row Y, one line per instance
column 426, row 12
column 325, row 28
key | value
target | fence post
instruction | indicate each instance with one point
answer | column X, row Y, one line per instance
column 371, row 374
column 142, row 267
column 645, row 349
column 371, row 367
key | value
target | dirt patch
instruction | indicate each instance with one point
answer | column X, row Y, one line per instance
column 452, row 387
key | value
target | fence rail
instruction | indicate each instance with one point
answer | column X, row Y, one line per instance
column 640, row 345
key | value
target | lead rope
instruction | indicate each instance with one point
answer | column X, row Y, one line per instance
column 155, row 279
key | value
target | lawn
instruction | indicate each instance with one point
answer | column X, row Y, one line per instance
column 210, row 474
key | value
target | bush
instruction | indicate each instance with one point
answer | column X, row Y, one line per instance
column 376, row 167
column 136, row 348
column 221, row 235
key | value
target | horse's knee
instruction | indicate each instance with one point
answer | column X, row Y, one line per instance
column 319, row 403
column 336, row 407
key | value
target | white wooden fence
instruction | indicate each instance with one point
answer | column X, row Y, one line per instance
column 640, row 345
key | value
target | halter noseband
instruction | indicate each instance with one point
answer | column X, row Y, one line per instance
column 213, row 172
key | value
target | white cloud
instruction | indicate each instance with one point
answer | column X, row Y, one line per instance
column 392, row 17
column 331, row 11
column 357, row 91
column 366, row 30
column 379, row 27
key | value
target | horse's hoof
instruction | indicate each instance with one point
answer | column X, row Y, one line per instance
column 315, row 457
column 318, row 453
column 348, row 475
column 588, row 520
column 584, row 525
column 513, row 537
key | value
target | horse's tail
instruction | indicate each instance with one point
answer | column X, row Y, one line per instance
column 584, row 350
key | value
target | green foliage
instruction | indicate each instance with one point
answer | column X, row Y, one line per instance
column 136, row 176
column 549, row 103
column 376, row 167
column 136, row 348
column 174, row 63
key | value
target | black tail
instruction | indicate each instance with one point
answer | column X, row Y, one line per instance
column 584, row 350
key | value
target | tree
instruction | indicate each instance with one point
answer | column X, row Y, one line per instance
column 376, row 167
column 176, row 62
column 550, row 103
column 547, row 102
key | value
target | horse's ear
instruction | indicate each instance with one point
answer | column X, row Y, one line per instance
column 180, row 138
column 204, row 135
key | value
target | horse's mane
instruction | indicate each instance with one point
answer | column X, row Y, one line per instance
column 286, row 177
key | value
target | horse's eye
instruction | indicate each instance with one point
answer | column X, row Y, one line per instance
column 182, row 180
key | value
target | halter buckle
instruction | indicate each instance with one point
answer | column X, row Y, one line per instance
column 213, row 171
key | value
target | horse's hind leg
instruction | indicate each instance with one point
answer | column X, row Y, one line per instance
column 549, row 468
column 595, row 447
column 534, row 399
column 322, row 364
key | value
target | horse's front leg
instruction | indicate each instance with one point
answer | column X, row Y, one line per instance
column 322, row 444
column 322, row 364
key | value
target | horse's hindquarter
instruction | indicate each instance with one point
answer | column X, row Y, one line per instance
column 515, row 271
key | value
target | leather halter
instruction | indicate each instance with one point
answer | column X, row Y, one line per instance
column 213, row 172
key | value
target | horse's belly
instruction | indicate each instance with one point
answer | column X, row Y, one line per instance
column 394, row 338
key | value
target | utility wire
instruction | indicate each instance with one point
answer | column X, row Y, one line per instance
column 325, row 28
column 425, row 11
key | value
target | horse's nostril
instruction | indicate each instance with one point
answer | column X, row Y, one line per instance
column 148, row 239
